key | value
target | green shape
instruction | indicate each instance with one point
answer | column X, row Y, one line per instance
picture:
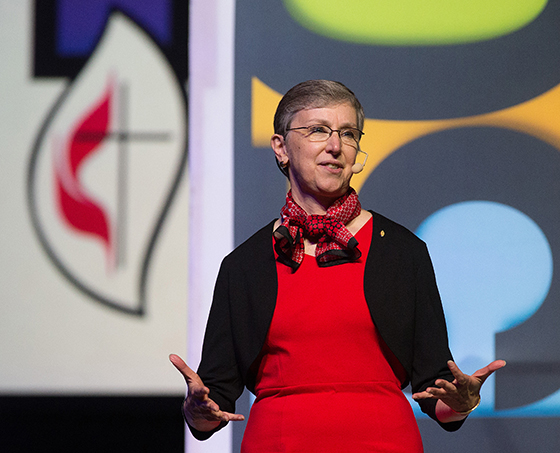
column 414, row 22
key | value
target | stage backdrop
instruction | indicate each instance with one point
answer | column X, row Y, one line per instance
column 462, row 132
column 94, row 234
column 463, row 138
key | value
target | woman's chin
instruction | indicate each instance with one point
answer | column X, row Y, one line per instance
column 332, row 192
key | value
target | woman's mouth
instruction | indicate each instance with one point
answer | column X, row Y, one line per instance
column 332, row 165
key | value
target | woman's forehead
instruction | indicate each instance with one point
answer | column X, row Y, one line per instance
column 339, row 113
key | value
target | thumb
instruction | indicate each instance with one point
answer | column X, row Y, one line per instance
column 190, row 376
column 485, row 372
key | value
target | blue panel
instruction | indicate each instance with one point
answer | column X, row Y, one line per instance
column 494, row 269
column 81, row 22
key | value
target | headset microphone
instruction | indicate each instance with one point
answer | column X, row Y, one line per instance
column 357, row 167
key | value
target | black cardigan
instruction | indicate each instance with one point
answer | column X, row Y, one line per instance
column 400, row 291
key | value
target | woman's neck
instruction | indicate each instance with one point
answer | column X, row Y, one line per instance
column 313, row 205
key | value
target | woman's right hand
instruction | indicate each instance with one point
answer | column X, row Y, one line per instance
column 199, row 410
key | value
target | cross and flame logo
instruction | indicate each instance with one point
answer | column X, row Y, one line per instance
column 106, row 165
column 75, row 205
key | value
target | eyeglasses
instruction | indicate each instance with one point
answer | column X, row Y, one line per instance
column 321, row 133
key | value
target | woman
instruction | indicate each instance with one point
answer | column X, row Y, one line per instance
column 328, row 312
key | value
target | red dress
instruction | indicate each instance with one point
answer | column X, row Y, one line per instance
column 327, row 382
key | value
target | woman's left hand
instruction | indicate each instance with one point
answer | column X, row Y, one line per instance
column 463, row 394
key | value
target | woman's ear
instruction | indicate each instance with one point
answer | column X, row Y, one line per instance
column 278, row 145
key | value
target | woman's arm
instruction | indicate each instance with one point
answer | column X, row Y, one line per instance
column 214, row 388
column 199, row 410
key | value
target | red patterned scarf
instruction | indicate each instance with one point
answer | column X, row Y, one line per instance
column 335, row 244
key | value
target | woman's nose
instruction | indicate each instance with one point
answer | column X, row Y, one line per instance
column 334, row 143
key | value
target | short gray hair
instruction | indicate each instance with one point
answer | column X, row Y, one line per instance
column 314, row 94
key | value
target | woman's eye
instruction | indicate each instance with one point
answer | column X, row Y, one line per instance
column 350, row 134
column 318, row 130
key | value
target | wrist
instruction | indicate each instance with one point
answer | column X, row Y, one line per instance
column 467, row 412
column 198, row 423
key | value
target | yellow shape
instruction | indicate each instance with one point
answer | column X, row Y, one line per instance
column 537, row 117
column 264, row 101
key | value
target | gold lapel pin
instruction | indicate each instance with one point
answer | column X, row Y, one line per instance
column 382, row 233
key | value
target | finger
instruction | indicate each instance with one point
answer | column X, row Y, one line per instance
column 203, row 406
column 485, row 372
column 430, row 393
column 205, row 412
column 447, row 386
column 435, row 392
column 219, row 416
column 422, row 396
column 233, row 417
column 456, row 371
column 199, row 393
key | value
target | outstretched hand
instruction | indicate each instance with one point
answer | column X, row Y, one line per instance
column 200, row 411
column 463, row 394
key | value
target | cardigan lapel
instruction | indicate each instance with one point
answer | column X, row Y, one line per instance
column 384, row 281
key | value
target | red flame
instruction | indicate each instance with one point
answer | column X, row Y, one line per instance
column 76, row 207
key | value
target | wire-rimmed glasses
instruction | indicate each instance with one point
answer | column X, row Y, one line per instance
column 321, row 133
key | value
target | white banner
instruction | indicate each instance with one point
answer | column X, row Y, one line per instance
column 94, row 241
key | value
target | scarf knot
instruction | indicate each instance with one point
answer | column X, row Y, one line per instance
column 335, row 244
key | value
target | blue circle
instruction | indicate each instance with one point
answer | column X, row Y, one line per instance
column 489, row 258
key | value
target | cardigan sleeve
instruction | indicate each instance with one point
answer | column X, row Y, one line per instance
column 431, row 350
column 218, row 368
column 242, row 308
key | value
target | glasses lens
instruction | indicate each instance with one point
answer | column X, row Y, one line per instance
column 318, row 133
column 321, row 133
column 350, row 136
